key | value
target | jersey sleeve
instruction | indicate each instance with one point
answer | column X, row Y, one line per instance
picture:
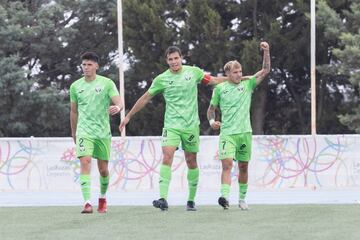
column 156, row 87
column 199, row 74
column 215, row 98
column 113, row 91
column 252, row 82
column 73, row 96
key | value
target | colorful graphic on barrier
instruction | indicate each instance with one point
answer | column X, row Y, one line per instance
column 277, row 162
column 17, row 165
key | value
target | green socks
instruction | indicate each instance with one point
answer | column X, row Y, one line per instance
column 85, row 182
column 242, row 190
column 104, row 183
column 165, row 177
column 193, row 179
column 225, row 190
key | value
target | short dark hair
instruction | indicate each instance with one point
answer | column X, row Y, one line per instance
column 172, row 49
column 90, row 56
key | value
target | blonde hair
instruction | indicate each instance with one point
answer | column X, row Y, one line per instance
column 231, row 65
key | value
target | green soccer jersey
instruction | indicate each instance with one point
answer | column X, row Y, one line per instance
column 181, row 96
column 234, row 101
column 93, row 100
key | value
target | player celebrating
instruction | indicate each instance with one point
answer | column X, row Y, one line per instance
column 234, row 99
column 178, row 85
column 90, row 98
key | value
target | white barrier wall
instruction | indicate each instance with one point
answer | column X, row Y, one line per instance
column 278, row 162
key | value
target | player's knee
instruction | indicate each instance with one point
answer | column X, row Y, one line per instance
column 167, row 159
column 243, row 168
column 104, row 172
column 85, row 164
column 191, row 162
column 227, row 166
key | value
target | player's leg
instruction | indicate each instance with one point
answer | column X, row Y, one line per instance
column 102, row 153
column 170, row 141
column 193, row 179
column 190, row 142
column 104, row 184
column 84, row 151
column 226, row 154
column 243, row 184
column 225, row 182
column 243, row 156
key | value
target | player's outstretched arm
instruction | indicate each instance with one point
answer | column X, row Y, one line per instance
column 260, row 75
column 217, row 80
column 140, row 103
column 211, row 117
column 116, row 108
column 73, row 120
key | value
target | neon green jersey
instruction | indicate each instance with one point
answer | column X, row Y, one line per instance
column 93, row 100
column 181, row 96
column 234, row 101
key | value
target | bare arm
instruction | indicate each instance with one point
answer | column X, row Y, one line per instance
column 114, row 109
column 140, row 103
column 73, row 120
column 217, row 80
column 211, row 114
column 260, row 75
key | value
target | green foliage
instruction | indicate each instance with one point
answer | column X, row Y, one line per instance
column 41, row 42
column 340, row 51
column 45, row 38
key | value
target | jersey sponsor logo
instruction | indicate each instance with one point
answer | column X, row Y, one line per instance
column 240, row 88
column 98, row 89
column 80, row 91
column 164, row 133
column 187, row 77
column 242, row 146
column 191, row 138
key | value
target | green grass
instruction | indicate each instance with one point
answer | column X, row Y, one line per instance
column 275, row 222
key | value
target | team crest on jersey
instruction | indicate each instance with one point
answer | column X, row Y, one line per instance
column 225, row 91
column 98, row 89
column 187, row 77
column 240, row 88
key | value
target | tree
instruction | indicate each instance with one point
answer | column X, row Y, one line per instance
column 334, row 91
column 149, row 28
column 46, row 38
column 348, row 56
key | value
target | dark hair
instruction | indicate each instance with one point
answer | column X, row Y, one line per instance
column 90, row 56
column 172, row 49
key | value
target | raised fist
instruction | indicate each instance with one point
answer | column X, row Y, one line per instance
column 264, row 46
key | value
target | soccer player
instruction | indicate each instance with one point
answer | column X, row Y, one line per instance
column 90, row 98
column 233, row 97
column 178, row 85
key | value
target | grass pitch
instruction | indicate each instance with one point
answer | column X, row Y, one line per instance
column 273, row 222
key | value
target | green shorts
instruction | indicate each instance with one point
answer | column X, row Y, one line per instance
column 237, row 147
column 189, row 138
column 97, row 148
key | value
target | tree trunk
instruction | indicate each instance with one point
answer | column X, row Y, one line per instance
column 259, row 107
